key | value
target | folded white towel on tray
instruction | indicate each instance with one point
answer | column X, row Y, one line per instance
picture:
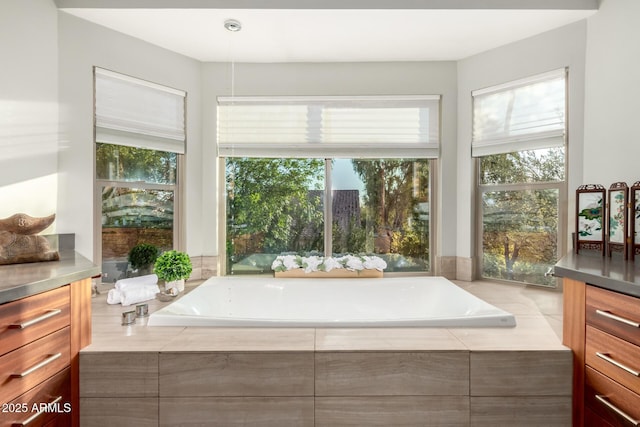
column 134, row 290
column 134, row 282
column 132, row 296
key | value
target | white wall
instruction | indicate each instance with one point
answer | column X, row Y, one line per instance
column 399, row 78
column 612, row 132
column 28, row 108
column 564, row 47
column 46, row 74
column 81, row 46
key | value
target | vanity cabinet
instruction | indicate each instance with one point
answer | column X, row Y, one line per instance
column 612, row 356
column 602, row 328
column 40, row 338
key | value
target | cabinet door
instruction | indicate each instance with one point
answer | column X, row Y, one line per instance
column 28, row 366
column 614, row 403
column 613, row 357
column 49, row 402
column 31, row 318
column 614, row 313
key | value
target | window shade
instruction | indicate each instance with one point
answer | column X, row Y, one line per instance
column 137, row 113
column 526, row 114
column 373, row 127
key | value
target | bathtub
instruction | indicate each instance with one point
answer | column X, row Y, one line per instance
column 321, row 303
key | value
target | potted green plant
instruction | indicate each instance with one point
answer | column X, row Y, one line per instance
column 142, row 257
column 174, row 267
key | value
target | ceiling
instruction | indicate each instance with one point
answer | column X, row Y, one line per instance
column 345, row 33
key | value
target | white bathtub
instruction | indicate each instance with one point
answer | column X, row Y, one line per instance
column 389, row 302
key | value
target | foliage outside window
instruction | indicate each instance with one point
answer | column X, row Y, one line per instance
column 520, row 199
column 137, row 190
column 277, row 206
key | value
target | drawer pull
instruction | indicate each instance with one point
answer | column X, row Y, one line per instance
column 34, row 368
column 617, row 410
column 612, row 316
column 47, row 315
column 605, row 356
column 33, row 417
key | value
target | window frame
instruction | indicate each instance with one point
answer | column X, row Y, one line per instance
column 178, row 214
column 177, row 143
column 328, row 232
column 561, row 186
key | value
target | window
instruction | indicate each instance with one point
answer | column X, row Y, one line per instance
column 310, row 176
column 519, row 142
column 140, row 139
column 277, row 206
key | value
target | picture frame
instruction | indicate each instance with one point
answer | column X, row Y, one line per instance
column 634, row 220
column 590, row 218
column 618, row 218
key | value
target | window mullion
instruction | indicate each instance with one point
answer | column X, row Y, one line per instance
column 525, row 186
column 328, row 210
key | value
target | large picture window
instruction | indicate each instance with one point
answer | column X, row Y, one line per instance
column 519, row 141
column 279, row 206
column 328, row 177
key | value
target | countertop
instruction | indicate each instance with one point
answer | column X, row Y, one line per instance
column 612, row 273
column 22, row 280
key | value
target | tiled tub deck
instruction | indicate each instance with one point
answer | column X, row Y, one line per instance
column 168, row 376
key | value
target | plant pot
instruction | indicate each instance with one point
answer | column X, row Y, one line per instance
column 177, row 284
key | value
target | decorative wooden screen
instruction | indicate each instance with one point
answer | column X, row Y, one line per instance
column 618, row 208
column 590, row 218
column 634, row 197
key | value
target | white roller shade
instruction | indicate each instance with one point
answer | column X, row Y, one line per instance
column 374, row 127
column 137, row 113
column 526, row 114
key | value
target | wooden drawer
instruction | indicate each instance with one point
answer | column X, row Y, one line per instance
column 28, row 366
column 55, row 393
column 591, row 419
column 614, row 313
column 29, row 319
column 615, row 358
column 610, row 400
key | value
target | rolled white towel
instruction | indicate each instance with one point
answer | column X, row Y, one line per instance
column 133, row 282
column 114, row 296
column 139, row 294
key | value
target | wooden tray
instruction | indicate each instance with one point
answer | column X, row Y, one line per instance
column 337, row 273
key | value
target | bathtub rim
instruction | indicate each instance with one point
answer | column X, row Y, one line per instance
column 499, row 318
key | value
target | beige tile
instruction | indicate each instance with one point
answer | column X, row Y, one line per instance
column 553, row 411
column 446, row 267
column 555, row 322
column 240, row 339
column 236, row 374
column 119, row 374
column 390, row 373
column 531, row 333
column 209, row 266
column 237, row 411
column 465, row 269
column 386, row 339
column 396, row 411
column 521, row 373
column 118, row 412
column 131, row 338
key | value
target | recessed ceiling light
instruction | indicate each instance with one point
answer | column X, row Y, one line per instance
column 232, row 25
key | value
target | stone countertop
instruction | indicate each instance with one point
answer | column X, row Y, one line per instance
column 612, row 273
column 22, row 280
